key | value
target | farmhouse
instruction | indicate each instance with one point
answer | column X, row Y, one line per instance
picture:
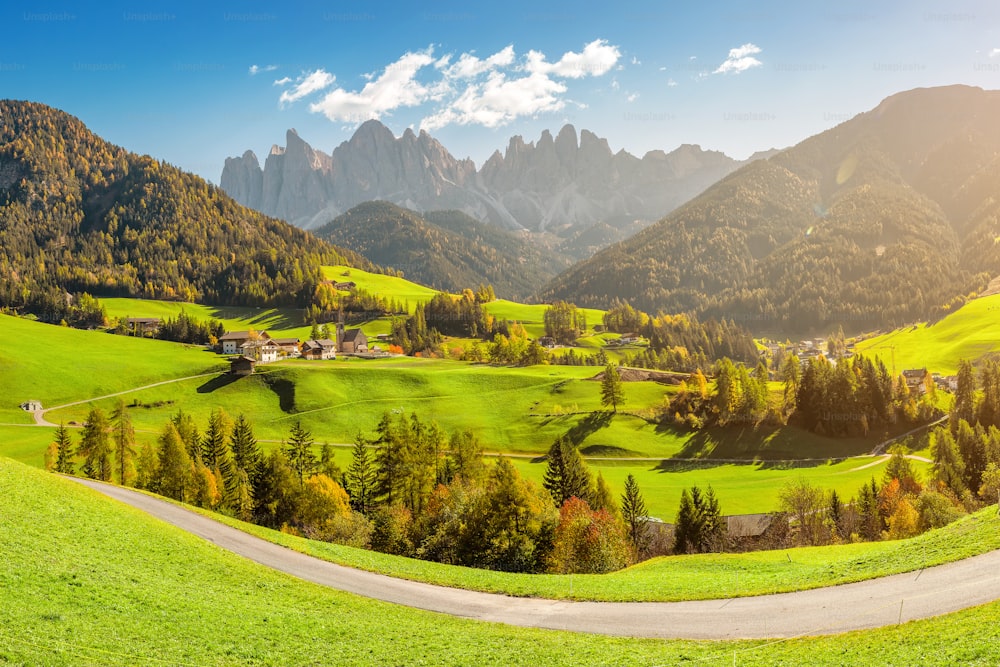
column 241, row 365
column 324, row 348
column 346, row 285
column 262, row 350
column 630, row 338
column 232, row 341
column 914, row 378
column 287, row 347
column 143, row 326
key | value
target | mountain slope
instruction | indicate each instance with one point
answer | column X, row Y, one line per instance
column 875, row 222
column 80, row 214
column 447, row 250
column 564, row 184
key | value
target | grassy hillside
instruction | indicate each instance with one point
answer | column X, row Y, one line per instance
column 115, row 587
column 59, row 365
column 971, row 332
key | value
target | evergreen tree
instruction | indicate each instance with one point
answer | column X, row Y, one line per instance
column 949, row 468
column 970, row 447
column 612, row 392
column 362, row 476
column 95, row 446
column 634, row 514
column 216, row 454
column 791, row 374
column 124, row 443
column 465, row 458
column 187, row 429
column 175, row 470
column 899, row 468
column 64, row 451
column 566, row 474
column 243, row 445
column 699, row 527
column 965, row 396
column 299, row 451
column 327, row 465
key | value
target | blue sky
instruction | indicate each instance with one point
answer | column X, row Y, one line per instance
column 193, row 84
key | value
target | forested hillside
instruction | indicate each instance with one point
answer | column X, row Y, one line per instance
column 887, row 218
column 447, row 250
column 78, row 214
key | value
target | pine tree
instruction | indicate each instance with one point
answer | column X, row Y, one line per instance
column 362, row 477
column 298, row 448
column 124, row 443
column 188, row 432
column 965, row 396
column 95, row 446
column 243, row 445
column 566, row 474
column 612, row 392
column 634, row 514
column 949, row 468
column 64, row 451
column 216, row 454
column 175, row 469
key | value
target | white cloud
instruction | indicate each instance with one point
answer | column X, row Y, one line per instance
column 307, row 85
column 636, row 61
column 994, row 53
column 469, row 66
column 615, row 85
column 671, row 83
column 632, row 97
column 597, row 58
column 256, row 69
column 283, row 81
column 663, row 69
column 395, row 87
column 462, row 89
column 740, row 59
column 500, row 100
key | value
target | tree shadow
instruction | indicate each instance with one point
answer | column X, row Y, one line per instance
column 588, row 426
column 284, row 389
column 218, row 382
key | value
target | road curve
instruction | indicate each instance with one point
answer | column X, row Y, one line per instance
column 863, row 605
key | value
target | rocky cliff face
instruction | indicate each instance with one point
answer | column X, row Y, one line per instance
column 562, row 185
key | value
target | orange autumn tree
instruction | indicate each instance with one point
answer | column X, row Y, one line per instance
column 587, row 541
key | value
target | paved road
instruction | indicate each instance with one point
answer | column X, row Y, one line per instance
column 831, row 610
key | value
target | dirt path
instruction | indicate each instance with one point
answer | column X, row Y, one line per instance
column 39, row 415
column 863, row 605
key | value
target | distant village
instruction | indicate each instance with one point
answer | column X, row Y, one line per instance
column 250, row 348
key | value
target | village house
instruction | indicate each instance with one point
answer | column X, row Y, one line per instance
column 346, row 285
column 324, row 348
column 232, row 341
column 914, row 378
column 630, row 338
column 287, row 347
column 263, row 350
column 143, row 326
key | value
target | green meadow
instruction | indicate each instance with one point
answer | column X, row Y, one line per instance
column 86, row 580
column 971, row 332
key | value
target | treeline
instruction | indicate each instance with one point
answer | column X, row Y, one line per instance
column 680, row 342
column 410, row 489
column 847, row 399
column 82, row 215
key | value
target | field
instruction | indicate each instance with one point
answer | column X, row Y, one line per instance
column 518, row 411
column 85, row 580
column 969, row 333
column 57, row 365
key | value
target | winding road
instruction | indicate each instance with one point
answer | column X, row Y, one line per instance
column 863, row 605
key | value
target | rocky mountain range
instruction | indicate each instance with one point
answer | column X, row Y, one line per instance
column 562, row 185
